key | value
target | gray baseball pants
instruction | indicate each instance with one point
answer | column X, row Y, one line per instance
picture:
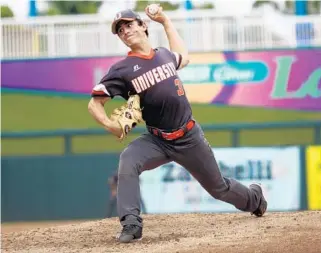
column 194, row 153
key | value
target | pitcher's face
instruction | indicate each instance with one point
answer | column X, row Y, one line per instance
column 131, row 33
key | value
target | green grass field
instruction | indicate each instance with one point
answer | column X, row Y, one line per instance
column 34, row 112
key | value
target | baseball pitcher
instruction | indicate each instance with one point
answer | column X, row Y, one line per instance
column 148, row 80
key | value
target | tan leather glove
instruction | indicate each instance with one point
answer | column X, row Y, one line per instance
column 128, row 115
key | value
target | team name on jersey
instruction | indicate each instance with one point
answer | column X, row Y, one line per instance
column 153, row 76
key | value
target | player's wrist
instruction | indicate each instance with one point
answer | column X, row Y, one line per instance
column 114, row 128
column 111, row 125
column 167, row 23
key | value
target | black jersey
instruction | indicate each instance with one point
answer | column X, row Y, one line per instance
column 155, row 80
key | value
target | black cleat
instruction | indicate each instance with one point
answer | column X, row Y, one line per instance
column 130, row 233
column 263, row 203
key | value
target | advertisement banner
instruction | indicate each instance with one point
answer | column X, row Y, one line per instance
column 277, row 79
column 74, row 75
column 171, row 189
column 313, row 170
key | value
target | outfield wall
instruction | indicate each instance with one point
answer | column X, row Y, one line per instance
column 75, row 186
column 56, row 187
column 286, row 78
column 171, row 189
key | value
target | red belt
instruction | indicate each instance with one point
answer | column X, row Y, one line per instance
column 173, row 135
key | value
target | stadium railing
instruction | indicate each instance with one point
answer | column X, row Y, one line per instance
column 235, row 129
column 203, row 31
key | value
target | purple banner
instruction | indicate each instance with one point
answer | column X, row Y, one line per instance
column 278, row 79
column 77, row 75
column 293, row 81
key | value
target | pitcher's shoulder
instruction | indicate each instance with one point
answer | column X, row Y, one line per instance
column 121, row 63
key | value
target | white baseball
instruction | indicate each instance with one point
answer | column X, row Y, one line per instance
column 153, row 9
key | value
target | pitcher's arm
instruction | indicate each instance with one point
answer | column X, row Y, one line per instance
column 97, row 110
column 175, row 41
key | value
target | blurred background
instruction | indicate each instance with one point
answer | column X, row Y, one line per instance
column 254, row 82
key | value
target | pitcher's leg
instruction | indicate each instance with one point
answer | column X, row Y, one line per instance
column 141, row 154
column 201, row 163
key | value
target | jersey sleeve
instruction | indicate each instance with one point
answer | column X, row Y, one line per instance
column 177, row 58
column 111, row 85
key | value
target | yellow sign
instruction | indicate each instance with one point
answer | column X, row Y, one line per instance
column 313, row 170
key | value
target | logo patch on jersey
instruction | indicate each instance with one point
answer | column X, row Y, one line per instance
column 136, row 67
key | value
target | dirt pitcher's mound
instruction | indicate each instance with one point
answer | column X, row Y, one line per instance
column 184, row 233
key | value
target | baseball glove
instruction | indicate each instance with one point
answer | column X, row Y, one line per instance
column 128, row 115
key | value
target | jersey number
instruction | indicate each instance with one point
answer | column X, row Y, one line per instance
column 180, row 89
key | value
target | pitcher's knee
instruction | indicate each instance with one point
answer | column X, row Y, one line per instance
column 128, row 164
column 219, row 195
